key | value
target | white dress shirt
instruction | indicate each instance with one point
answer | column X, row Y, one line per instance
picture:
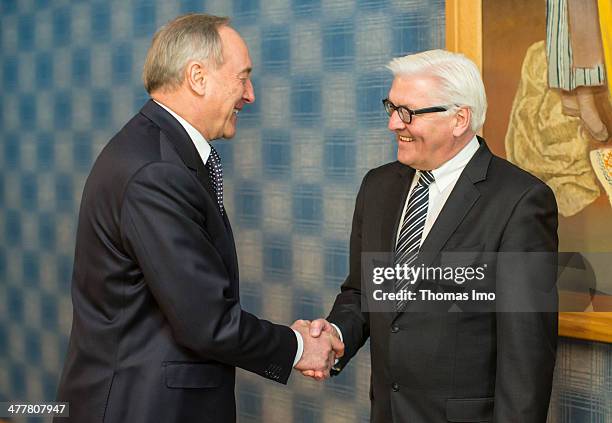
column 204, row 151
column 446, row 176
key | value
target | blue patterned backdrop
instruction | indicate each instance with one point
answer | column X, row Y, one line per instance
column 70, row 75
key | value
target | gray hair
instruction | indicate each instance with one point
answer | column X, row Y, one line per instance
column 460, row 80
column 188, row 37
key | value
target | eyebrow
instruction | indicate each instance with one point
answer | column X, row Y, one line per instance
column 246, row 70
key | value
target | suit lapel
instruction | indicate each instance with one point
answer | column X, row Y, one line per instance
column 460, row 201
column 394, row 200
column 234, row 268
column 202, row 175
column 174, row 132
column 392, row 197
column 178, row 137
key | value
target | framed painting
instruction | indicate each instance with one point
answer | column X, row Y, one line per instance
column 555, row 122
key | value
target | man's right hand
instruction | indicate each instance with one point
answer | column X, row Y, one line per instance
column 320, row 352
column 318, row 327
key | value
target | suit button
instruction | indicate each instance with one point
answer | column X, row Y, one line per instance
column 395, row 386
column 395, row 328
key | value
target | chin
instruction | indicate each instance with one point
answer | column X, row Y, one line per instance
column 229, row 131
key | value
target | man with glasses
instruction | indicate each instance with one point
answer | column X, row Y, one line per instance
column 446, row 193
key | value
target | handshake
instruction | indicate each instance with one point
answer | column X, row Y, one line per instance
column 322, row 346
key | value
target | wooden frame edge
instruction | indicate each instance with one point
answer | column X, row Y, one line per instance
column 464, row 28
column 592, row 326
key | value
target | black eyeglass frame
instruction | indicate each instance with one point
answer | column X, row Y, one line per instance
column 390, row 108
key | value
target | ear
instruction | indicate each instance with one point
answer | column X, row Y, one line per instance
column 463, row 118
column 196, row 76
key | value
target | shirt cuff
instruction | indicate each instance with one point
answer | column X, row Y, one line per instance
column 339, row 331
column 300, row 347
column 341, row 339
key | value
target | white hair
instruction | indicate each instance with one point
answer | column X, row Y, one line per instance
column 460, row 80
column 193, row 36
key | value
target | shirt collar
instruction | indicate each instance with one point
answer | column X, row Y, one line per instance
column 196, row 137
column 450, row 171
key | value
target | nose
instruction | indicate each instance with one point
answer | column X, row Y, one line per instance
column 249, row 93
column 395, row 123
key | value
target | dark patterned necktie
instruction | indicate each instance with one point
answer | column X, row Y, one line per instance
column 409, row 241
column 215, row 172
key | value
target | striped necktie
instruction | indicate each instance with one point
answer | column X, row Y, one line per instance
column 409, row 241
column 215, row 172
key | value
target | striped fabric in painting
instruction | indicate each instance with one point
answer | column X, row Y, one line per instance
column 561, row 73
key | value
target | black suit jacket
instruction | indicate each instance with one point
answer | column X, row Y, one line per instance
column 457, row 367
column 157, row 327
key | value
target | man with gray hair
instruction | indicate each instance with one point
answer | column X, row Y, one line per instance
column 158, row 329
column 447, row 193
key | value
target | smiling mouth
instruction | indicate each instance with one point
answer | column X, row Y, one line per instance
column 405, row 139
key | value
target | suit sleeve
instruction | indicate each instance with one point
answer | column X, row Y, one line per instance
column 527, row 341
column 347, row 312
column 163, row 229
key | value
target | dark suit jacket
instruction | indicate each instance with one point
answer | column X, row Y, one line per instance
column 457, row 367
column 157, row 327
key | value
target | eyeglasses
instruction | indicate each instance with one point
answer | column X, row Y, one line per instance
column 406, row 114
